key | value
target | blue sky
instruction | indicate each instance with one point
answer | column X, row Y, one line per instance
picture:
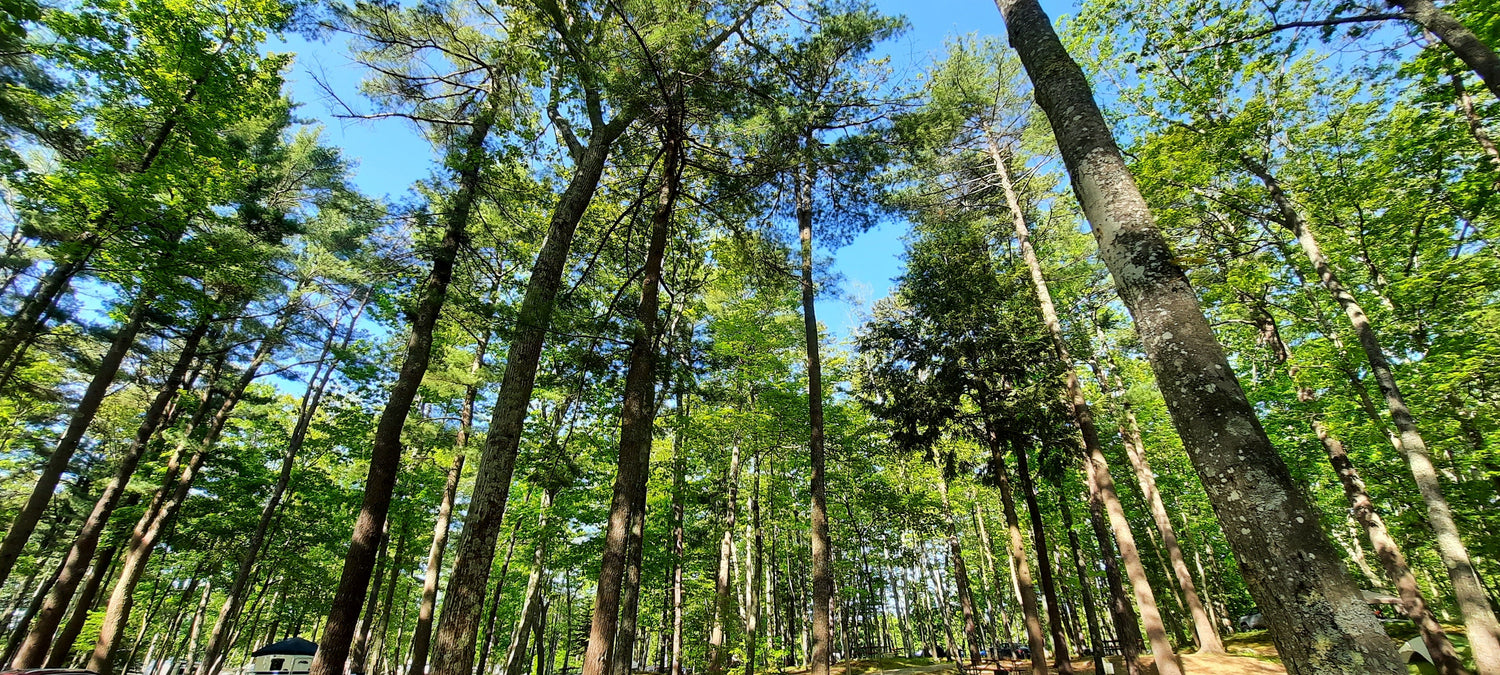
column 390, row 155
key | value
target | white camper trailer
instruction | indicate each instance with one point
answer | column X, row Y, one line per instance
column 289, row 657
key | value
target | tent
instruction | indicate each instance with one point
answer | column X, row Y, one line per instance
column 289, row 657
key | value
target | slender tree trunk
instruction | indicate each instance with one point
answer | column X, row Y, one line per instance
column 397, row 556
column 822, row 546
column 359, row 653
column 422, row 635
column 630, row 593
column 62, row 647
column 679, row 472
column 385, row 455
column 104, row 374
column 1093, row 449
column 28, row 321
column 1061, row 660
column 753, row 575
column 637, row 415
column 988, row 549
column 531, row 607
column 1481, row 626
column 1475, row 122
column 195, row 631
column 960, row 572
column 33, row 652
column 1362, row 509
column 32, row 607
column 1465, row 44
column 1135, row 450
column 1021, row 570
column 463, row 604
column 722, row 609
column 1318, row 618
column 153, row 523
column 489, row 627
column 312, row 397
column 1095, row 641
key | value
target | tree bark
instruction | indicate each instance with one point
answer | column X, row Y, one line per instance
column 960, row 572
column 679, row 472
column 385, row 455
column 33, row 652
column 1021, row 572
column 62, row 647
column 1203, row 625
column 1481, row 626
column 531, row 607
column 1465, row 44
column 754, row 575
column 1093, row 449
column 1319, row 621
column 722, row 608
column 454, row 645
column 104, row 374
column 153, row 523
column 312, row 397
column 489, row 626
column 822, row 546
column 637, row 416
column 422, row 636
column 359, row 653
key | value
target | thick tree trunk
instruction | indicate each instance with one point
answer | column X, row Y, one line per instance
column 1093, row 449
column 1465, row 44
column 1079, row 567
column 822, row 546
column 722, row 608
column 1135, row 450
column 1061, row 661
column 104, row 374
column 454, row 645
column 33, row 652
column 385, row 455
column 637, row 416
column 153, row 523
column 1319, row 620
column 312, row 397
column 1481, row 626
column 630, row 592
column 422, row 635
column 1021, row 569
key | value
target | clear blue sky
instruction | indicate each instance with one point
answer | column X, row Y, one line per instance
column 390, row 155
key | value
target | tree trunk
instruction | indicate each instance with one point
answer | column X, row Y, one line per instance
column 960, row 572
column 312, row 397
column 359, row 653
column 1021, row 572
column 637, row 416
column 62, row 647
column 454, row 646
column 531, row 607
column 1465, row 44
column 489, row 627
column 153, row 523
column 630, row 593
column 195, row 630
column 27, row 322
column 1061, row 661
column 1479, row 618
column 397, row 556
column 104, row 374
column 1362, row 508
column 822, row 547
column 717, row 651
column 1096, row 642
column 679, row 472
column 385, row 455
column 752, row 610
column 1093, row 449
column 1319, row 620
column 33, row 652
column 422, row 635
column 987, row 547
column 1135, row 450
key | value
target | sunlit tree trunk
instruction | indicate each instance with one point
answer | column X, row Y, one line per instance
column 1481, row 626
column 531, row 606
column 723, row 607
column 1465, row 44
column 960, row 571
column 422, row 634
column 1081, row 568
column 1020, row 568
column 1319, row 620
